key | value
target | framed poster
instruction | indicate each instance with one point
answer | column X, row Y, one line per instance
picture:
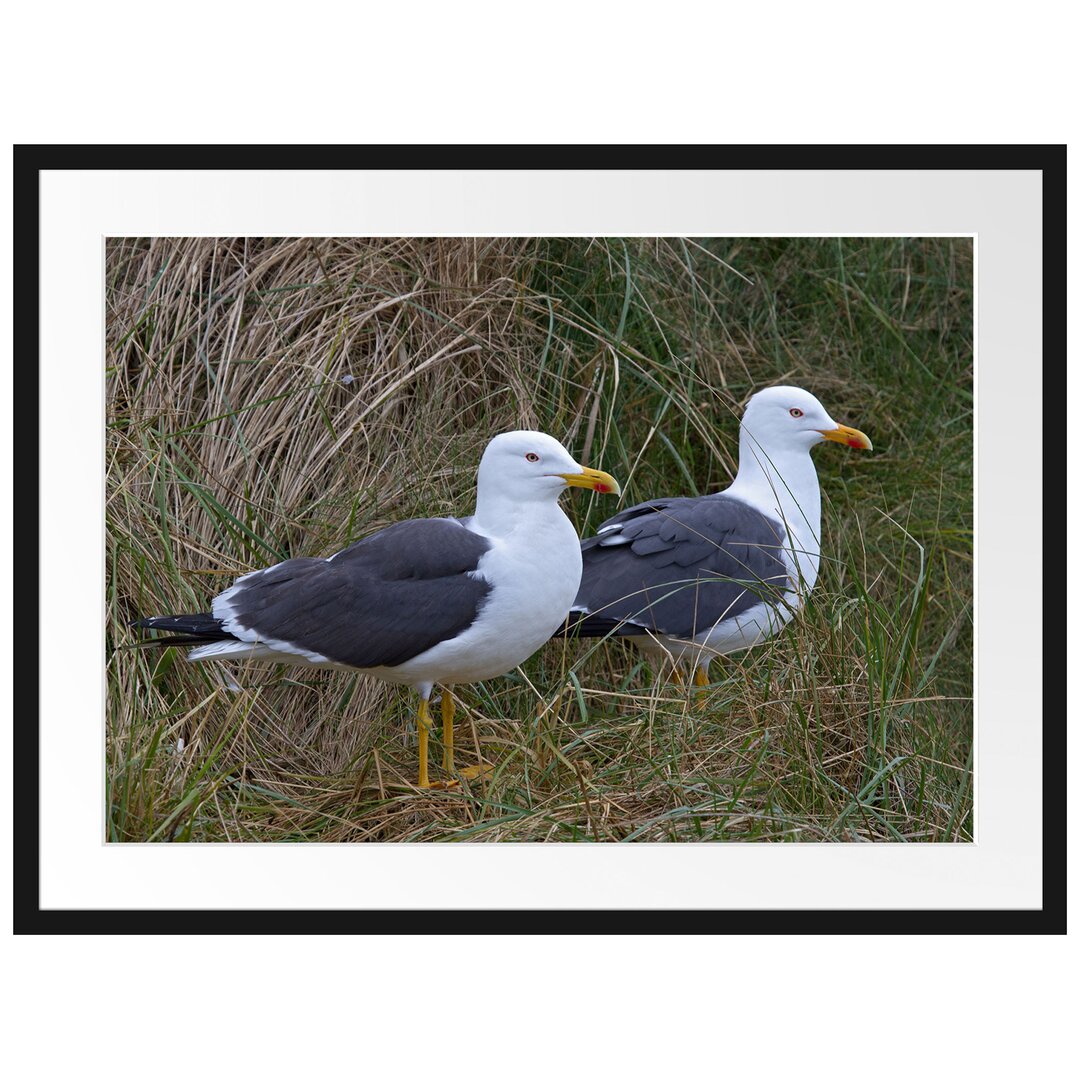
column 294, row 358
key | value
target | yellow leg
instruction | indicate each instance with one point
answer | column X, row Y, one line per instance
column 470, row 772
column 448, row 731
column 701, row 679
column 676, row 675
column 423, row 722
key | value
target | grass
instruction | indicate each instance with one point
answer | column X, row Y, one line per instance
column 278, row 397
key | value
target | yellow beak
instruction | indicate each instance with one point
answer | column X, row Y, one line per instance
column 849, row 437
column 593, row 479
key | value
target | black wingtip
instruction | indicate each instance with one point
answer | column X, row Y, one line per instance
column 582, row 624
column 197, row 629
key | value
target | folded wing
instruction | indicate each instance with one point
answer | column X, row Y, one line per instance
column 678, row 567
column 377, row 603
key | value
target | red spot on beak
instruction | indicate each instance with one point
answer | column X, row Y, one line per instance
column 602, row 488
column 854, row 444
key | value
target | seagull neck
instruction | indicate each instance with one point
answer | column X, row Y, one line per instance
column 497, row 515
column 784, row 482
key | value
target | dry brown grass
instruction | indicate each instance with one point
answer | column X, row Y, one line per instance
column 270, row 398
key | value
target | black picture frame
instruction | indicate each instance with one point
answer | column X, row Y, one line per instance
column 31, row 160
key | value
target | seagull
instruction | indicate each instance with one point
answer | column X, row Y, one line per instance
column 689, row 579
column 424, row 601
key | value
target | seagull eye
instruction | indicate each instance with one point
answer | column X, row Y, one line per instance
column 530, row 456
column 795, row 412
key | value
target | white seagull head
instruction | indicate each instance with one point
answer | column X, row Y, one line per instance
column 531, row 466
column 785, row 418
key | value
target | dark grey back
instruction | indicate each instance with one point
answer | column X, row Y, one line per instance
column 379, row 602
column 689, row 563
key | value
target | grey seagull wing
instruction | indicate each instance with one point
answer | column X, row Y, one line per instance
column 379, row 602
column 678, row 566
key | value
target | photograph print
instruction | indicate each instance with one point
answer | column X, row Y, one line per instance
column 541, row 539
